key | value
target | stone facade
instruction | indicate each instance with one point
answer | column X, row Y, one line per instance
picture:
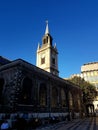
column 47, row 54
column 27, row 88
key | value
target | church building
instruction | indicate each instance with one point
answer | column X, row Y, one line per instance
column 38, row 90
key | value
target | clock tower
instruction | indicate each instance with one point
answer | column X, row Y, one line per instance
column 47, row 54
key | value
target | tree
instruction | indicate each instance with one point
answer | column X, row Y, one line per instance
column 89, row 90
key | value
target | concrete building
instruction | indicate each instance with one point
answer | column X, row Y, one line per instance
column 89, row 72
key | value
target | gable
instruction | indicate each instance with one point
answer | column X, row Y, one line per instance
column 4, row 61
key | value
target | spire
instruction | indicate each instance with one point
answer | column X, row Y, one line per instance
column 47, row 28
column 38, row 46
column 55, row 45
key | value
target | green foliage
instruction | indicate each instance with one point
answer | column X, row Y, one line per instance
column 89, row 90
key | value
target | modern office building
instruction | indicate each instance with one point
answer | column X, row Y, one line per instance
column 89, row 72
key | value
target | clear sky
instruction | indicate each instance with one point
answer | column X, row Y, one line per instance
column 73, row 25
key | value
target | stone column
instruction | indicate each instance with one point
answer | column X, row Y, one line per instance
column 15, row 86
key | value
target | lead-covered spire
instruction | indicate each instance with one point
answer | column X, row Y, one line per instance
column 47, row 39
column 38, row 46
column 47, row 28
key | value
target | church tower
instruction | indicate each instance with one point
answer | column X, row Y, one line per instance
column 47, row 54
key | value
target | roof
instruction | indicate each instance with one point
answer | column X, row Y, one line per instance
column 29, row 66
column 4, row 61
column 91, row 63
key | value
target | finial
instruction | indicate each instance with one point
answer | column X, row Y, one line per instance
column 47, row 28
column 55, row 45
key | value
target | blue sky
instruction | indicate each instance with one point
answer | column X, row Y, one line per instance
column 73, row 25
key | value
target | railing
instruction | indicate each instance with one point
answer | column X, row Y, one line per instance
column 32, row 108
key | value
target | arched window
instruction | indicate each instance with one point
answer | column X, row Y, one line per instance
column 45, row 40
column 63, row 98
column 54, row 97
column 1, row 88
column 43, row 95
column 70, row 101
column 25, row 96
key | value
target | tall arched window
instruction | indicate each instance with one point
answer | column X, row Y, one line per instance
column 43, row 95
column 25, row 96
column 63, row 98
column 1, row 88
column 70, row 100
column 54, row 97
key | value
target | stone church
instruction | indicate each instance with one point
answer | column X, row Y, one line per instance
column 26, row 88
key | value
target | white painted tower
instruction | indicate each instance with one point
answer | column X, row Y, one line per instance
column 47, row 54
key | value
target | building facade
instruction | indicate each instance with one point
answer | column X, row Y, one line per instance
column 25, row 88
column 47, row 54
column 89, row 72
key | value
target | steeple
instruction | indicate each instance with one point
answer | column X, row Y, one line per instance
column 47, row 28
column 47, row 54
column 47, row 39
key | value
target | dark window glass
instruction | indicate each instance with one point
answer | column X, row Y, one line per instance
column 1, row 89
column 43, row 60
column 53, row 61
column 25, row 96
column 43, row 95
column 45, row 40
